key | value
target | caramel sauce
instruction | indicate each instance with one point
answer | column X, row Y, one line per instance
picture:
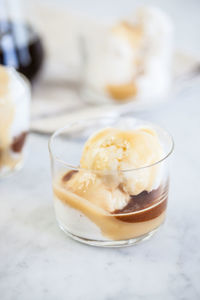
column 122, row 92
column 6, row 158
column 116, row 225
column 68, row 175
column 18, row 142
column 144, row 206
column 133, row 33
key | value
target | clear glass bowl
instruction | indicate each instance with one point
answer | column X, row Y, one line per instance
column 84, row 220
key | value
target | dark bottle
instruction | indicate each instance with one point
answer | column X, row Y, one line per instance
column 20, row 45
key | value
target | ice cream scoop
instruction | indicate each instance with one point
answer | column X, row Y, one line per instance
column 121, row 152
column 92, row 187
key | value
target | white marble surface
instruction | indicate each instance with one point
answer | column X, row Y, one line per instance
column 37, row 260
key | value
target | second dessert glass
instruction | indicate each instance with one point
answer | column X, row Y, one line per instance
column 15, row 96
column 86, row 221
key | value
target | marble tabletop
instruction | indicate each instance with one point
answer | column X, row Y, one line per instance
column 38, row 261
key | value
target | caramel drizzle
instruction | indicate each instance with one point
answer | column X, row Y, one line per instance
column 113, row 226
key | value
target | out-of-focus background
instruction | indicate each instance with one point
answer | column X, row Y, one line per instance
column 185, row 15
column 66, row 26
column 37, row 261
column 83, row 63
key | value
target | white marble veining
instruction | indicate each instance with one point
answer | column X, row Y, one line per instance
column 39, row 262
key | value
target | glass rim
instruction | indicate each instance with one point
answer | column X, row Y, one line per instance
column 76, row 168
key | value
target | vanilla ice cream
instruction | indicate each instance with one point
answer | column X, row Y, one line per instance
column 121, row 151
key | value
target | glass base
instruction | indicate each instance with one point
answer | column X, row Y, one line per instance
column 11, row 171
column 111, row 244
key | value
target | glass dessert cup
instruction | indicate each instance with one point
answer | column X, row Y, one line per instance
column 120, row 64
column 77, row 210
column 15, row 116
